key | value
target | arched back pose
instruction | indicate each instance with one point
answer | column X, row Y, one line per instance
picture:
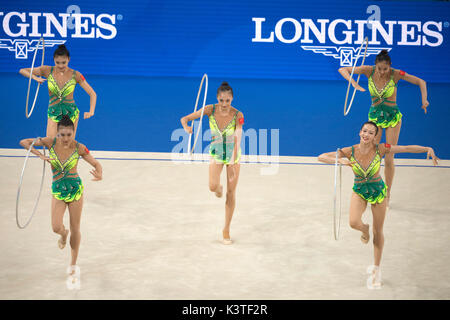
column 61, row 85
column 226, row 131
column 67, row 187
column 365, row 160
column 384, row 112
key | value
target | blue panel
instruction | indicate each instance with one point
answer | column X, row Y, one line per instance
column 188, row 38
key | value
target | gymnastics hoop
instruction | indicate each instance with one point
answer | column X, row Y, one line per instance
column 346, row 111
column 337, row 215
column 205, row 77
column 31, row 76
column 20, row 186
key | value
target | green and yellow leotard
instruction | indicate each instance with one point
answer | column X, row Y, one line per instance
column 222, row 142
column 368, row 184
column 67, row 186
column 64, row 106
column 385, row 113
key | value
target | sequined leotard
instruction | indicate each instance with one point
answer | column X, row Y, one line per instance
column 64, row 105
column 383, row 112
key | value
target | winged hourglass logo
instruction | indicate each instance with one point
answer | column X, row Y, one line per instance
column 346, row 55
column 22, row 47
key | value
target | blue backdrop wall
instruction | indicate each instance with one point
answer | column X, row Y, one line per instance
column 145, row 60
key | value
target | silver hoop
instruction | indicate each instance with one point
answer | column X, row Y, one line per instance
column 20, row 186
column 346, row 111
column 31, row 76
column 337, row 185
column 205, row 77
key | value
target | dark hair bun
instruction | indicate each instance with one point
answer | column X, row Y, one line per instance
column 61, row 51
column 383, row 56
column 65, row 122
column 225, row 87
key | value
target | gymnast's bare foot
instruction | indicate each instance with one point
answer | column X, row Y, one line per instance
column 226, row 237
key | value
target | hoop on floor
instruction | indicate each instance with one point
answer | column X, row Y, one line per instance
column 20, row 186
column 205, row 77
column 337, row 189
column 347, row 108
column 31, row 76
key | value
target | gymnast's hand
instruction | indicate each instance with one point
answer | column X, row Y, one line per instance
column 425, row 105
column 97, row 175
column 39, row 79
column 431, row 154
column 45, row 158
column 346, row 162
column 188, row 129
column 358, row 87
column 87, row 115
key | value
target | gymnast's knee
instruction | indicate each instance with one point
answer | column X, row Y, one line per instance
column 231, row 195
column 75, row 234
column 354, row 223
column 389, row 160
column 58, row 228
column 378, row 236
column 213, row 187
column 75, row 228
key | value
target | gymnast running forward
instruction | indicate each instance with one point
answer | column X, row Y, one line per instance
column 384, row 112
column 365, row 160
column 61, row 82
column 67, row 187
column 226, row 132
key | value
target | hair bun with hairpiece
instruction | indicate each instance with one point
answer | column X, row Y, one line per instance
column 61, row 51
column 383, row 56
column 65, row 122
column 225, row 87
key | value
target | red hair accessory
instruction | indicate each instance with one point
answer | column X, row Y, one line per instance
column 387, row 145
column 402, row 73
column 241, row 120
